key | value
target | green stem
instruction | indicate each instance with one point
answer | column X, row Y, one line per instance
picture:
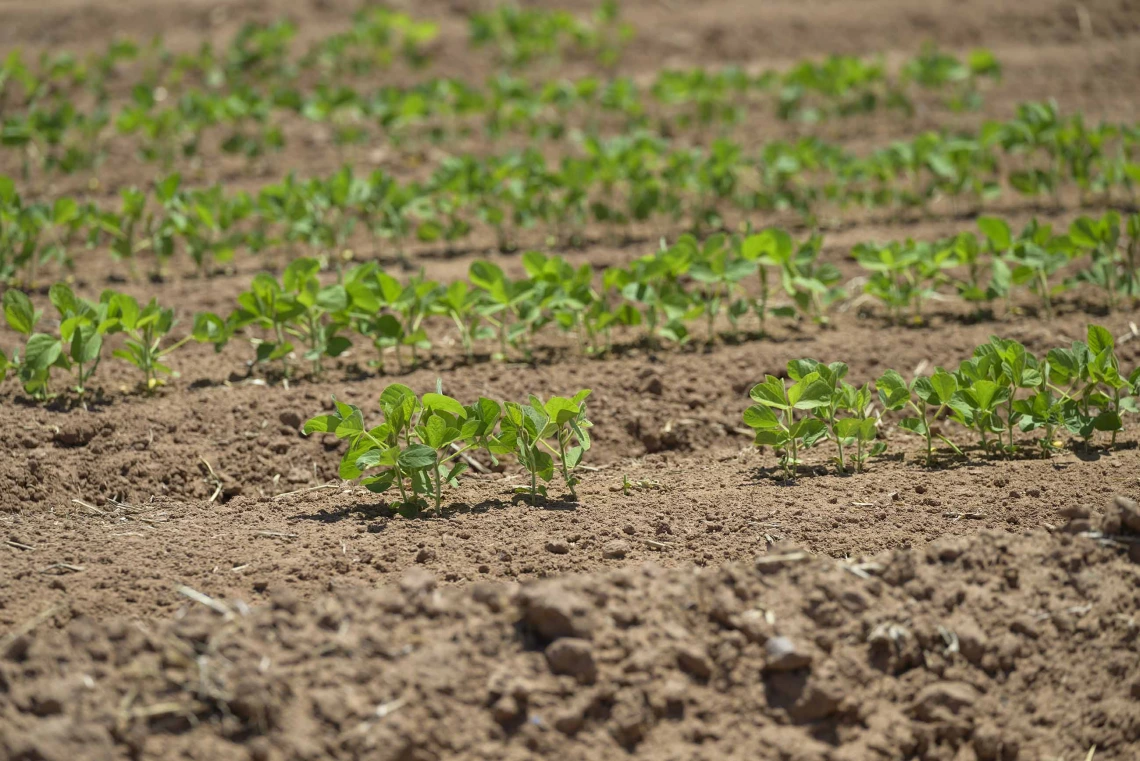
column 838, row 442
column 279, row 330
column 562, row 462
column 533, row 485
column 438, row 491
column 929, row 441
column 1043, row 284
column 1116, row 409
column 400, row 483
column 172, row 347
column 1009, row 420
column 795, row 450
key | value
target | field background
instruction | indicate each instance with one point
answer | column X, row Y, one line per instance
column 147, row 467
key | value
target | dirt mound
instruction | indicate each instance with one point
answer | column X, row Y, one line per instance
column 989, row 648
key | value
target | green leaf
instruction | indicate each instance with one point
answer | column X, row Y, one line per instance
column 370, row 458
column 543, row 465
column 19, row 313
column 811, row 430
column 798, row 368
column 770, row 393
column 944, row 385
column 984, row 393
column 760, row 416
column 351, row 424
column 42, row 351
column 417, row 456
column 334, row 298
column 349, row 470
column 811, row 395
column 435, row 432
column 381, row 483
column 561, row 410
column 321, row 424
column 86, row 344
column 893, row 390
column 997, row 231
column 772, row 246
column 1099, row 340
column 458, row 469
column 395, row 396
column 63, row 299
column 337, row 345
column 772, row 438
column 1108, row 421
column 444, row 403
column 914, row 425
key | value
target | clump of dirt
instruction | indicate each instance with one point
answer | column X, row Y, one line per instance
column 988, row 648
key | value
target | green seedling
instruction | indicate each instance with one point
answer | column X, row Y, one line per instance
column 76, row 349
column 721, row 272
column 928, row 398
column 419, row 445
column 844, row 411
column 298, row 308
column 461, row 303
column 146, row 328
column 1087, row 376
column 1101, row 238
column 968, row 253
column 1008, row 364
column 774, row 415
column 530, row 427
column 771, row 248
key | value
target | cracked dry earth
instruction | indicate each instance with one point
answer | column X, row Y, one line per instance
column 182, row 577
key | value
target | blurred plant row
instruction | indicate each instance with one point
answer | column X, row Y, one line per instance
column 613, row 183
column 54, row 133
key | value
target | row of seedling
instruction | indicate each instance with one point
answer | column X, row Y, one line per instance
column 688, row 292
column 616, row 183
column 423, row 443
column 1101, row 253
column 74, row 347
column 54, row 134
column 1013, row 401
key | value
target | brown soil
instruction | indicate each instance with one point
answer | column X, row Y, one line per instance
column 942, row 613
column 993, row 647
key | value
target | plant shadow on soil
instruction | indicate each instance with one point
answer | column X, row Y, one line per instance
column 383, row 509
column 972, row 457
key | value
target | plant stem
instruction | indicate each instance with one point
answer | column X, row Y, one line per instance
column 838, row 442
column 1044, row 286
column 533, row 484
column 400, row 483
column 1009, row 421
column 562, row 462
column 929, row 442
column 791, row 426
